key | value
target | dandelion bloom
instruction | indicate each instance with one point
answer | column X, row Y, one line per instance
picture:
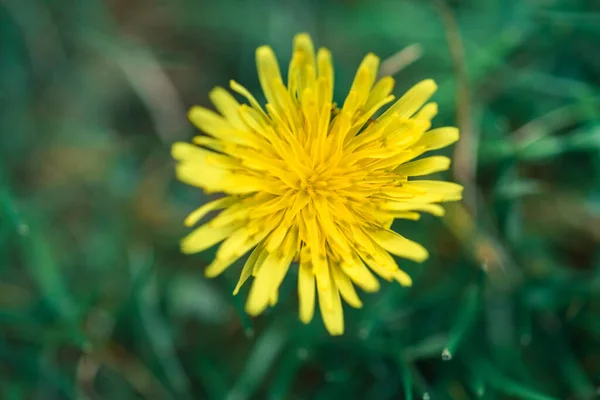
column 308, row 182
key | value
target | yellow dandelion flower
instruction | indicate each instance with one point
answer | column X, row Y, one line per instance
column 307, row 182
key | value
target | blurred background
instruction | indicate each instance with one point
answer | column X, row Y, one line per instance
column 96, row 301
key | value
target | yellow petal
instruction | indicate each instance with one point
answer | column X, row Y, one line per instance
column 370, row 134
column 395, row 160
column 303, row 44
column 262, row 257
column 412, row 100
column 200, row 212
column 209, row 178
column 325, row 71
column 426, row 166
column 399, row 245
column 403, row 206
column 273, row 298
column 217, row 266
column 187, row 152
column 286, row 254
column 367, row 113
column 258, row 298
column 330, row 229
column 363, row 81
column 211, row 143
column 270, row 275
column 234, row 214
column 182, row 151
column 402, row 278
column 405, row 133
column 315, row 243
column 244, row 184
column 323, row 277
column 380, row 91
column 253, row 120
column 448, row 191
column 268, row 72
column 428, row 111
column 206, row 236
column 234, row 247
column 284, row 105
column 413, row 216
column 438, row 138
column 227, row 105
column 380, row 261
column 387, row 224
column 236, row 87
column 330, row 305
column 360, row 274
column 306, row 287
column 303, row 68
column 202, row 168
column 216, row 126
column 346, row 288
column 276, row 238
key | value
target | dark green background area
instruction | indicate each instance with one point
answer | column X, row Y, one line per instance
column 96, row 301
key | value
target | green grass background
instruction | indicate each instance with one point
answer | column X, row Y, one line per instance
column 96, row 302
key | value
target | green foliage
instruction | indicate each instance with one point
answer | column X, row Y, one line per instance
column 97, row 302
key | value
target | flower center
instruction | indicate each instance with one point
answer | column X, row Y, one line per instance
column 314, row 184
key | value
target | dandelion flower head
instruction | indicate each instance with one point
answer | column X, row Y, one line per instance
column 313, row 186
